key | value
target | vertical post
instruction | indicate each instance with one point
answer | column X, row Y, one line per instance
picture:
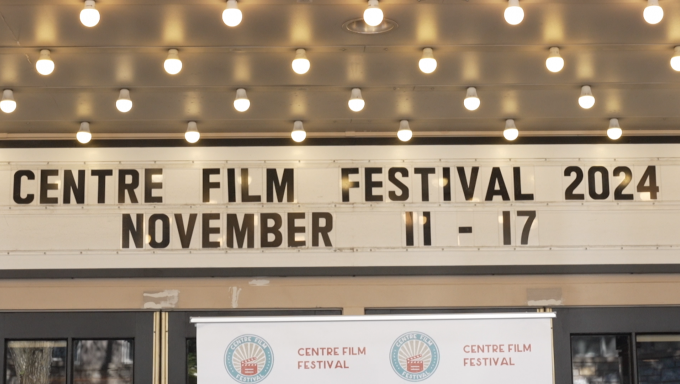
column 164, row 346
column 156, row 348
column 69, row 360
column 633, row 357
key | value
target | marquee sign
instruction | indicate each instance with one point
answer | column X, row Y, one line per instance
column 381, row 349
column 338, row 206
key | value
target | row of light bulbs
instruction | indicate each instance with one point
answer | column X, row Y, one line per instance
column 301, row 64
column 356, row 101
column 373, row 15
column 298, row 134
column 404, row 133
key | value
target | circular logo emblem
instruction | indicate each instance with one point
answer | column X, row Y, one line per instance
column 249, row 359
column 414, row 356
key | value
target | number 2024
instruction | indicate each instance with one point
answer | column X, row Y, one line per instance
column 647, row 183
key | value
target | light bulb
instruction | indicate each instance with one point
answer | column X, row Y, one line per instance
column 653, row 12
column 298, row 135
column 471, row 101
column 124, row 103
column 84, row 136
column 404, row 133
column 427, row 63
column 356, row 102
column 241, row 103
column 44, row 65
column 511, row 132
column 614, row 132
column 675, row 61
column 232, row 16
column 555, row 62
column 373, row 15
column 89, row 16
column 587, row 100
column 514, row 14
column 8, row 105
column 192, row 135
column 173, row 65
column 301, row 63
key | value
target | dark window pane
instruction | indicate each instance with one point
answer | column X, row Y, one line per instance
column 600, row 359
column 658, row 358
column 35, row 362
column 103, row 361
column 192, row 365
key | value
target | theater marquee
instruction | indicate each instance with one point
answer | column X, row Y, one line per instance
column 339, row 206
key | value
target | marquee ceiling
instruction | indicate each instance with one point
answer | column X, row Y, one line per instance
column 605, row 43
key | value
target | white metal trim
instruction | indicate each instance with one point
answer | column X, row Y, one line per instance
column 315, row 319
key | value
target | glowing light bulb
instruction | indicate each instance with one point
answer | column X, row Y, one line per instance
column 514, row 14
column 84, row 136
column 427, row 63
column 301, row 63
column 298, row 135
column 89, row 16
column 192, row 135
column 232, row 16
column 8, row 105
column 511, row 132
column 614, row 132
column 653, row 12
column 404, row 133
column 173, row 65
column 356, row 102
column 124, row 103
column 241, row 103
column 555, row 62
column 675, row 61
column 586, row 100
column 44, row 65
column 471, row 101
column 373, row 15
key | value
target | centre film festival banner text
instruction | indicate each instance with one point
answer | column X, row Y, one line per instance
column 338, row 206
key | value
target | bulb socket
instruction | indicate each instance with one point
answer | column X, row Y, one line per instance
column 513, row 3
column 586, row 91
column 428, row 53
column 84, row 127
column 124, row 94
column 404, row 126
column 471, row 92
column 89, row 4
column 554, row 52
column 241, row 94
column 300, row 54
column 7, row 94
column 356, row 94
column 173, row 54
column 510, row 124
column 232, row 4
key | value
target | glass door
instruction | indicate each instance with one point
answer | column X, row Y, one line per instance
column 77, row 347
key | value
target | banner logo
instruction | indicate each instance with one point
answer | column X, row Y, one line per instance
column 249, row 359
column 414, row 356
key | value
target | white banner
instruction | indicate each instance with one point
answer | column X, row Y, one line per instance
column 438, row 349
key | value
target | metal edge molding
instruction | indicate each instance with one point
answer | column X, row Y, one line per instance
column 338, row 271
column 326, row 319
